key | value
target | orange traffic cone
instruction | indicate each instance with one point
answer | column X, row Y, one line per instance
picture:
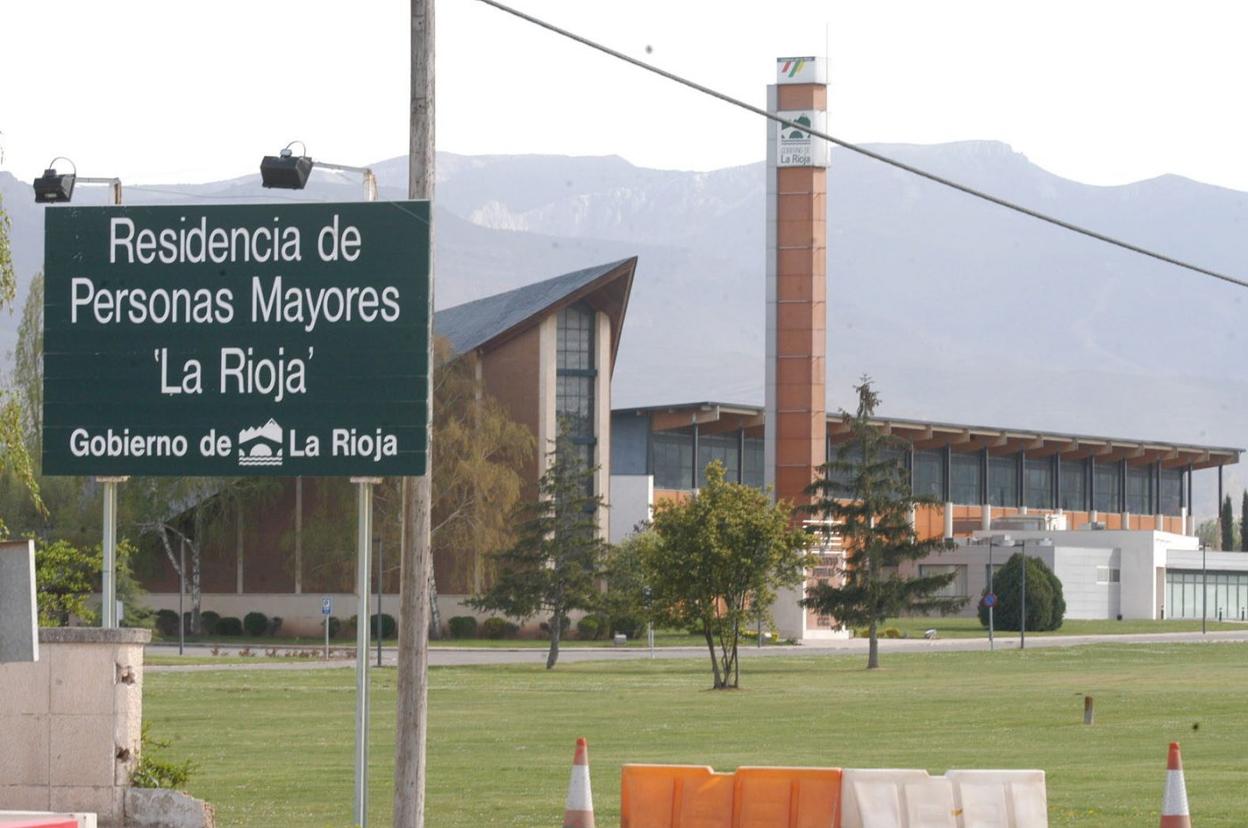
column 579, row 810
column 1174, row 812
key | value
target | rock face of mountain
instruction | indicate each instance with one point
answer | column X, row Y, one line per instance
column 960, row 310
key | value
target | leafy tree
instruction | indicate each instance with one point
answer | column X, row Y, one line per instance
column 556, row 561
column 65, row 578
column 28, row 365
column 1243, row 523
column 625, row 602
column 1208, row 535
column 14, row 451
column 1226, row 523
column 864, row 496
column 720, row 556
column 477, row 480
column 177, row 510
column 1046, row 606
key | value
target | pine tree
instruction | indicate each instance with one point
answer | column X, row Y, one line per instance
column 868, row 501
column 1243, row 523
column 557, row 559
column 1227, row 522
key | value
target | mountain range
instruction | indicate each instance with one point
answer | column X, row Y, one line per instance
column 959, row 310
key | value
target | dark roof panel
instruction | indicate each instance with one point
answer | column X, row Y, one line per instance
column 472, row 324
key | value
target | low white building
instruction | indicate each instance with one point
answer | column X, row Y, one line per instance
column 1108, row 573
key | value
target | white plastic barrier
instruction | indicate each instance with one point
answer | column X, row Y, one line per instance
column 906, row 798
column 1007, row 798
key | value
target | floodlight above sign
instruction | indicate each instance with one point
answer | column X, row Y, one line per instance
column 237, row 340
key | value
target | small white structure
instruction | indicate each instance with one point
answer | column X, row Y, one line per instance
column 1108, row 573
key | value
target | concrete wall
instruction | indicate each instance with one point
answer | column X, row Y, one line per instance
column 632, row 497
column 71, row 722
column 1086, row 596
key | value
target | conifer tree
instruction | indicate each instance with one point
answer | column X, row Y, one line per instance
column 1243, row 523
column 1227, row 522
column 865, row 497
column 557, row 559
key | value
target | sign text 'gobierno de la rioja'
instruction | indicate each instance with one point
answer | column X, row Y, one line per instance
column 236, row 340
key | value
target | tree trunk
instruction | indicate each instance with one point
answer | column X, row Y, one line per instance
column 710, row 645
column 873, row 646
column 556, row 629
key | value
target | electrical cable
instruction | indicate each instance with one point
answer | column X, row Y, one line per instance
column 884, row 159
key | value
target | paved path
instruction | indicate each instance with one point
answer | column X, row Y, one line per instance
column 462, row 656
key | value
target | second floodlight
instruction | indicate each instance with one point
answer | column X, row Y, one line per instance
column 285, row 171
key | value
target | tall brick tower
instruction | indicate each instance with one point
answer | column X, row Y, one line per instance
column 797, row 189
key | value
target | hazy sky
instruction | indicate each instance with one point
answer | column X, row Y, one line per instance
column 158, row 91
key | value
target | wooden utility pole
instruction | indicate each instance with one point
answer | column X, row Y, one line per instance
column 416, row 559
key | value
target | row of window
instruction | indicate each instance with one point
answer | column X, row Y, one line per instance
column 1192, row 594
column 1046, row 483
column 672, row 458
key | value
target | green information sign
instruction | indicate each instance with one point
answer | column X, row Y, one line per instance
column 237, row 340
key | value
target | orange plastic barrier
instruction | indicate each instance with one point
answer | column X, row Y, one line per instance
column 694, row 796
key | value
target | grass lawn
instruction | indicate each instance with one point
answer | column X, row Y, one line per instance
column 970, row 627
column 275, row 747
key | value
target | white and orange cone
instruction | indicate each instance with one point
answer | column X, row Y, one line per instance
column 1174, row 813
column 578, row 812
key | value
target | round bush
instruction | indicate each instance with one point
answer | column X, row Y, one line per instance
column 462, row 626
column 229, row 626
column 167, row 623
column 256, row 624
column 388, row 626
column 588, row 628
column 629, row 625
column 494, row 628
column 335, row 626
column 208, row 622
column 1045, row 605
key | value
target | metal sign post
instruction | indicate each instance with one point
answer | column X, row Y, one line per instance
column 327, row 609
column 108, row 587
column 364, row 528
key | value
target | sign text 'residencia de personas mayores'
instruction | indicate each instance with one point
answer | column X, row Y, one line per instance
column 237, row 340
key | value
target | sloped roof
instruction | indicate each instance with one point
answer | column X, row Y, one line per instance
column 478, row 323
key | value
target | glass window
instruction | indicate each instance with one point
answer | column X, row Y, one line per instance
column 1108, row 575
column 966, row 474
column 956, row 588
column 673, row 459
column 1003, row 480
column 1171, row 491
column 929, row 474
column 1140, row 490
column 722, row 447
column 1074, row 486
column 1038, row 479
column 1108, row 487
column 844, row 453
column 574, row 380
column 754, row 473
column 575, row 339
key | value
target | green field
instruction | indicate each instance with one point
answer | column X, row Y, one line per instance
column 971, row 628
column 275, row 747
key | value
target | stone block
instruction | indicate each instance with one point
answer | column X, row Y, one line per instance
column 19, row 640
column 24, row 757
column 158, row 808
column 82, row 751
column 107, row 803
column 23, row 797
column 82, row 678
column 24, row 687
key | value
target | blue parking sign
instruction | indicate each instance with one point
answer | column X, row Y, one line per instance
column 327, row 605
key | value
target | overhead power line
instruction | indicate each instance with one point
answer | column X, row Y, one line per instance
column 884, row 159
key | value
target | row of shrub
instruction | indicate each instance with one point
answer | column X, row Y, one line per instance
column 589, row 628
column 258, row 625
